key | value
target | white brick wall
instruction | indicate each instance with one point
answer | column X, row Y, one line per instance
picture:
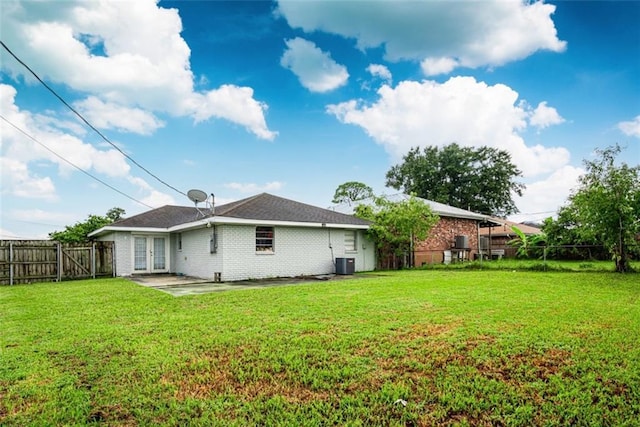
column 298, row 251
column 195, row 258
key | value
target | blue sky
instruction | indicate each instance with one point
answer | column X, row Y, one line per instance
column 296, row 97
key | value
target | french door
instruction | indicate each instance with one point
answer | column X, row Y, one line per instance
column 150, row 254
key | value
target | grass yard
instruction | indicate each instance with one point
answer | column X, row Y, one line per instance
column 458, row 347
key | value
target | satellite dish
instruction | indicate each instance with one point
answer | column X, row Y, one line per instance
column 197, row 196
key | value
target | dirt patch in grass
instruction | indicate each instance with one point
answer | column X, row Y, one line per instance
column 216, row 373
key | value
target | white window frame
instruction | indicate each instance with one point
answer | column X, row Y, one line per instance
column 348, row 247
column 265, row 241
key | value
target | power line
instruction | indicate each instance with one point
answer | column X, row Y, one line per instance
column 72, row 164
column 87, row 123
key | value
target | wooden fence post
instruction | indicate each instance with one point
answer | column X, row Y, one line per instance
column 93, row 260
column 59, row 265
column 11, row 263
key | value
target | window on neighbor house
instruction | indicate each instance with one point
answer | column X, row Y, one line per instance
column 179, row 240
column 350, row 241
column 264, row 239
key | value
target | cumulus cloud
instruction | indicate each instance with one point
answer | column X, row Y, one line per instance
column 542, row 198
column 631, row 128
column 469, row 34
column 149, row 195
column 544, row 116
column 378, row 70
column 108, row 115
column 18, row 181
column 235, row 104
column 434, row 66
column 255, row 188
column 460, row 110
column 20, row 152
column 126, row 54
column 315, row 69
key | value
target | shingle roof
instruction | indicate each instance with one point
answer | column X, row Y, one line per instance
column 262, row 207
column 504, row 229
column 439, row 208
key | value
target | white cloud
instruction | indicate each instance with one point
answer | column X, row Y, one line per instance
column 108, row 115
column 487, row 33
column 380, row 71
column 544, row 116
column 542, row 198
column 459, row 110
column 434, row 66
column 18, row 181
column 314, row 68
column 150, row 196
column 631, row 128
column 129, row 54
column 255, row 188
column 22, row 153
column 235, row 104
column 40, row 215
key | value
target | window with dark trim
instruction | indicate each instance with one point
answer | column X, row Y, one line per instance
column 264, row 239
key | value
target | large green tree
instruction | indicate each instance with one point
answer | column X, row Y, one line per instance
column 479, row 179
column 352, row 191
column 79, row 232
column 396, row 226
column 606, row 204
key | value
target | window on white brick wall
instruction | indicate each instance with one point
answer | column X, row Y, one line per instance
column 350, row 241
column 264, row 239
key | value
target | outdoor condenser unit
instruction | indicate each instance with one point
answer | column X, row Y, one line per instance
column 345, row 266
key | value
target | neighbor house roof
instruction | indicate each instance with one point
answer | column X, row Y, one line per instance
column 262, row 208
column 438, row 208
column 504, row 228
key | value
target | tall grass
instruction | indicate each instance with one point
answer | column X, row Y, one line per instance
column 399, row 348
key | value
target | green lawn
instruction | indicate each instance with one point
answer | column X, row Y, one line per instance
column 460, row 347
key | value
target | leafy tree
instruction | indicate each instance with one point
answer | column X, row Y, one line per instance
column 480, row 179
column 565, row 239
column 396, row 226
column 607, row 205
column 352, row 191
column 79, row 232
column 526, row 243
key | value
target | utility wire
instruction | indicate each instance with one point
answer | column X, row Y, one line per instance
column 72, row 164
column 86, row 122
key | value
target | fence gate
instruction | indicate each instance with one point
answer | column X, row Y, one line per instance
column 28, row 261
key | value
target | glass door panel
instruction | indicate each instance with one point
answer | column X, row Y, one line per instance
column 140, row 254
column 159, row 256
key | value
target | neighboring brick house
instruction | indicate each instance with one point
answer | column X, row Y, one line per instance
column 258, row 237
column 455, row 237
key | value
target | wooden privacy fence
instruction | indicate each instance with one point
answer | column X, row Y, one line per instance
column 28, row 261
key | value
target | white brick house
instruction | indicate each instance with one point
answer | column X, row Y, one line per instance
column 259, row 237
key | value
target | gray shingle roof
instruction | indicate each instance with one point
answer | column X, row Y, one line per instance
column 262, row 207
column 439, row 208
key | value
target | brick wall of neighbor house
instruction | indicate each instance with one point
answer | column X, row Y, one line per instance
column 297, row 251
column 195, row 258
column 123, row 256
column 442, row 238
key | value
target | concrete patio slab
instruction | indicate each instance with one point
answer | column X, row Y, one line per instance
column 186, row 285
